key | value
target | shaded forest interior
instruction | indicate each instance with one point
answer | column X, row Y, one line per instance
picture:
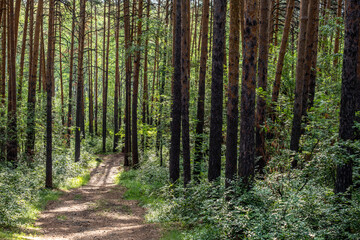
column 239, row 118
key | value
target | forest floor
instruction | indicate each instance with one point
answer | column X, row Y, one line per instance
column 96, row 210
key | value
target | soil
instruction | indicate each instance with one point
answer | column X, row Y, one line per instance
column 96, row 210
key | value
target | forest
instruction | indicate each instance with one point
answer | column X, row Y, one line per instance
column 180, row 119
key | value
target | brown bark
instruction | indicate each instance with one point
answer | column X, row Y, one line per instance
column 311, row 56
column 248, row 85
column 299, row 85
column 174, row 168
column 277, row 15
column 233, row 93
column 349, row 91
column 30, row 141
column 128, row 84
column 80, row 82
column 145, row 106
column 23, row 48
column 283, row 46
column 96, row 75
column 262, row 84
column 61, row 72
column 70, row 104
column 135, row 149
column 90, row 65
column 337, row 38
column 217, row 90
column 12, row 138
column 106, row 79
column 49, row 88
column 3, row 83
column 117, row 79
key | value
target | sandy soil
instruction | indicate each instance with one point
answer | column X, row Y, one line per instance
column 96, row 211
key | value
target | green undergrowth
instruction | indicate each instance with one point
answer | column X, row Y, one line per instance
column 287, row 204
column 22, row 191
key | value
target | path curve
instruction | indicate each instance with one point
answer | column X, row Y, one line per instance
column 96, row 211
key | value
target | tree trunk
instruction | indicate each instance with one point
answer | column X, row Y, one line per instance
column 135, row 149
column 30, row 141
column 23, row 48
column 49, row 82
column 174, row 165
column 128, row 84
column 145, row 106
column 69, row 120
column 117, row 79
column 12, row 138
column 233, row 93
column 185, row 87
column 248, row 85
column 90, row 71
column 217, row 90
column 96, row 75
column 280, row 61
column 202, row 83
column 3, row 82
column 106, row 81
column 80, row 83
column 349, row 91
column 337, row 38
column 299, row 87
column 262, row 83
column 311, row 54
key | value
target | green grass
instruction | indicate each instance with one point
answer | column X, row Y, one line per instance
column 136, row 190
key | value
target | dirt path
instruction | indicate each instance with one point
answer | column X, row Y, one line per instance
column 96, row 211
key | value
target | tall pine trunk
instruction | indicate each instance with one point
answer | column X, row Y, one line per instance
column 248, row 85
column 217, row 90
column 174, row 165
column 233, row 93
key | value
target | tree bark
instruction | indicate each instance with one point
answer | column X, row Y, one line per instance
column 349, row 91
column 299, row 87
column 135, row 149
column 283, row 46
column 233, row 93
column 80, row 83
column 262, row 83
column 30, row 141
column 174, row 165
column 12, row 138
column 117, row 79
column 217, row 90
column 248, row 85
column 49, row 88
column 337, row 38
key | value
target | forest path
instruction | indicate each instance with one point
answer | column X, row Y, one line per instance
column 96, row 210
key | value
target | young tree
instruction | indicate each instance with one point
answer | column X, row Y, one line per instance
column 49, row 82
column 217, row 90
column 248, row 85
column 176, row 97
column 3, row 81
column 145, row 106
column 280, row 60
column 201, row 99
column 233, row 93
column 349, row 90
column 80, row 83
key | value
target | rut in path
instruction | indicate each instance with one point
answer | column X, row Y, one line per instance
column 96, row 211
